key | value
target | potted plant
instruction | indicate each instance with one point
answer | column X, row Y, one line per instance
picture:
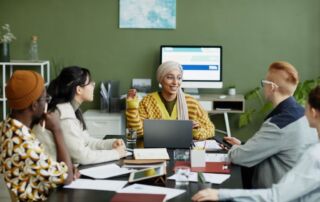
column 232, row 90
column 5, row 38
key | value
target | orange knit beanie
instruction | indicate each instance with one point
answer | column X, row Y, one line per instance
column 23, row 88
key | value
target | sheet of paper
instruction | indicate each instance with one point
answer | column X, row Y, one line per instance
column 159, row 153
column 210, row 177
column 148, row 189
column 104, row 171
column 104, row 185
column 211, row 145
column 213, row 157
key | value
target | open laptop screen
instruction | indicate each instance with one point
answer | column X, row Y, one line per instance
column 173, row 134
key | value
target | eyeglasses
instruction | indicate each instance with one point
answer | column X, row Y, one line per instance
column 48, row 99
column 263, row 82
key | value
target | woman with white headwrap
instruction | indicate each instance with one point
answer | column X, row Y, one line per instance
column 169, row 104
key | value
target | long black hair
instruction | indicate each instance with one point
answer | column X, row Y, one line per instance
column 314, row 98
column 63, row 88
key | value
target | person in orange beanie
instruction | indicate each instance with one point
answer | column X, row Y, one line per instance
column 28, row 171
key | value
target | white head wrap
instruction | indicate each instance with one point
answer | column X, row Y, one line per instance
column 162, row 71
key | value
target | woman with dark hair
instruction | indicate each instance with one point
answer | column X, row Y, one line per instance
column 302, row 183
column 68, row 91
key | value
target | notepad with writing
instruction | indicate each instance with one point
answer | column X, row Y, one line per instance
column 131, row 197
column 211, row 167
column 150, row 153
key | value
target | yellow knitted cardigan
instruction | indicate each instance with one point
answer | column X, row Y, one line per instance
column 151, row 107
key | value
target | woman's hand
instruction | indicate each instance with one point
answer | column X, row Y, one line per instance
column 118, row 143
column 206, row 195
column 131, row 94
column 195, row 124
column 122, row 151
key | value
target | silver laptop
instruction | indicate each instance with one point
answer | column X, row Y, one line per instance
column 175, row 134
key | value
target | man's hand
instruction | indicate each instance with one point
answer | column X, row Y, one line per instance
column 232, row 140
column 52, row 121
column 76, row 173
column 206, row 195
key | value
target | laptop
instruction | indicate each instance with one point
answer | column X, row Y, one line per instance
column 173, row 134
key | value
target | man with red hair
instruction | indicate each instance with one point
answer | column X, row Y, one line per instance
column 284, row 135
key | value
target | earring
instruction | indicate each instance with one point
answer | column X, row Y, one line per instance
column 160, row 86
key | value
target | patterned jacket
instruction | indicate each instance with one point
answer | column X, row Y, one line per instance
column 28, row 171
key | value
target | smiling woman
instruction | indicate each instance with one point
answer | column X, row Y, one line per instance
column 169, row 104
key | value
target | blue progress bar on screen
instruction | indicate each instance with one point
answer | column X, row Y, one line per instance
column 200, row 67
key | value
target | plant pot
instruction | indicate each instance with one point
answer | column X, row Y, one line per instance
column 4, row 52
column 232, row 91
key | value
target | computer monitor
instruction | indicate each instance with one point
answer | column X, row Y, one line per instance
column 202, row 65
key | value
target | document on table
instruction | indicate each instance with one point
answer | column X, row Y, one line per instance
column 158, row 153
column 216, row 157
column 104, row 171
column 148, row 189
column 210, row 177
column 128, row 153
column 104, row 185
column 211, row 145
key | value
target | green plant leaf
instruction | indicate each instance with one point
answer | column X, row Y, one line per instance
column 245, row 118
column 266, row 107
column 252, row 93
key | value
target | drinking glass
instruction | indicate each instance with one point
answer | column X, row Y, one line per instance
column 182, row 173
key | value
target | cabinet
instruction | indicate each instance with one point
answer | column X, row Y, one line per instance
column 223, row 104
column 9, row 67
column 100, row 124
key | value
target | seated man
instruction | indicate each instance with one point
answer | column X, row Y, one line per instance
column 28, row 171
column 284, row 135
column 169, row 104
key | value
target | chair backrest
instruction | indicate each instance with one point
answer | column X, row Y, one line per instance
column 13, row 196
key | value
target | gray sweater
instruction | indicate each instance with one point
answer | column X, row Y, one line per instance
column 301, row 184
column 277, row 146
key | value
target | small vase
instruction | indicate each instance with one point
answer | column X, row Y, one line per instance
column 4, row 52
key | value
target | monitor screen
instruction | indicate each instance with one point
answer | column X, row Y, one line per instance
column 202, row 65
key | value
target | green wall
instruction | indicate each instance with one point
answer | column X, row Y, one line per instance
column 253, row 33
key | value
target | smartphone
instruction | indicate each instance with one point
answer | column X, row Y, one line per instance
column 220, row 140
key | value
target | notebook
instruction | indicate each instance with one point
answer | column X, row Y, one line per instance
column 133, row 197
column 175, row 134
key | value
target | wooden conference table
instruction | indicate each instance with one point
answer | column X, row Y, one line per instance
column 77, row 195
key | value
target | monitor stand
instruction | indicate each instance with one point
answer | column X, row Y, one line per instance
column 193, row 92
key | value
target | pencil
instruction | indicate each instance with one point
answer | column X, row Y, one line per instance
column 44, row 122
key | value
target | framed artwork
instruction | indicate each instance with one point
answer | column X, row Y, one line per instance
column 150, row 14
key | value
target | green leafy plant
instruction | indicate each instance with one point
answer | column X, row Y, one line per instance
column 263, row 107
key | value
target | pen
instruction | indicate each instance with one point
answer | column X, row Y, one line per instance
column 192, row 144
column 44, row 122
column 204, row 146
